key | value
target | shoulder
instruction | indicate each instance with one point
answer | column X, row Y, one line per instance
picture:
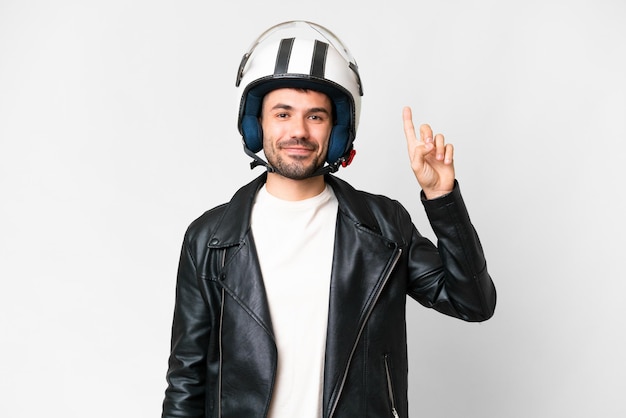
column 230, row 219
column 354, row 197
column 376, row 211
column 200, row 229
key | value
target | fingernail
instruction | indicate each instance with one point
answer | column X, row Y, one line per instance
column 428, row 139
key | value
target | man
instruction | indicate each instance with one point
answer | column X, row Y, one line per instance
column 290, row 299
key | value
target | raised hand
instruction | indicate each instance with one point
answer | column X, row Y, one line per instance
column 432, row 160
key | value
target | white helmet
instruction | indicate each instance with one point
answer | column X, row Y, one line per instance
column 300, row 54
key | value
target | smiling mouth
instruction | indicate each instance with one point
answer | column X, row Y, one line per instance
column 296, row 145
column 297, row 153
column 298, row 149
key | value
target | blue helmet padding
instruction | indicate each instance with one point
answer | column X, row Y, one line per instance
column 342, row 134
column 252, row 133
column 341, row 138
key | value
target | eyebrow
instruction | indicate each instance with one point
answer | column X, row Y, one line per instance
column 311, row 110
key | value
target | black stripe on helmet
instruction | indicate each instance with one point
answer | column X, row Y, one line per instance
column 318, row 61
column 284, row 54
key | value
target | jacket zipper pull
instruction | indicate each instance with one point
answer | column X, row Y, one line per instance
column 390, row 388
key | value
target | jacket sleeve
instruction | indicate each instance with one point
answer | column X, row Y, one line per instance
column 451, row 277
column 186, row 375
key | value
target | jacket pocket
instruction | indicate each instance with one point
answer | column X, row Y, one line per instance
column 392, row 401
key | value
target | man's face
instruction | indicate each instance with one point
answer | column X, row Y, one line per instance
column 296, row 127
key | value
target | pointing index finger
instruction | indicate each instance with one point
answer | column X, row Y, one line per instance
column 409, row 129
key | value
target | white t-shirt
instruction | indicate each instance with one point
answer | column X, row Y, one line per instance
column 295, row 241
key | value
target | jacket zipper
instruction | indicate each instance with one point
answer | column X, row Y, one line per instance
column 390, row 387
column 345, row 373
column 219, row 373
column 219, row 377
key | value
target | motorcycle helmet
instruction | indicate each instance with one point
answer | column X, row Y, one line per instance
column 300, row 54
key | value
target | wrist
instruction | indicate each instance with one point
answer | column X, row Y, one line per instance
column 435, row 194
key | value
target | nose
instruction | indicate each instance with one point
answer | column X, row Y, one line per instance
column 298, row 128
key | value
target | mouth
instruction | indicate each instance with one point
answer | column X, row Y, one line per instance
column 296, row 146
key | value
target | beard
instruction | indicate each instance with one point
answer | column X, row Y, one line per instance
column 294, row 167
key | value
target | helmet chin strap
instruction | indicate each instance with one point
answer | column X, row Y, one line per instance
column 330, row 168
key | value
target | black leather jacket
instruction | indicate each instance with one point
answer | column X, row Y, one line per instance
column 223, row 354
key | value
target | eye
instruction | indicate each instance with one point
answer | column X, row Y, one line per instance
column 317, row 117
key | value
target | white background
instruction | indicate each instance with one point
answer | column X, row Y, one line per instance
column 117, row 129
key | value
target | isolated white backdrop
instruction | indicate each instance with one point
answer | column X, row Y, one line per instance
column 117, row 129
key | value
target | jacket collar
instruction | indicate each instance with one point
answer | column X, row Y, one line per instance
column 352, row 204
column 235, row 221
column 230, row 233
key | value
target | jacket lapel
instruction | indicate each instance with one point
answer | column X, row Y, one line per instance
column 242, row 278
column 362, row 260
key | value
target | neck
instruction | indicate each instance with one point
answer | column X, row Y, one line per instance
column 289, row 189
